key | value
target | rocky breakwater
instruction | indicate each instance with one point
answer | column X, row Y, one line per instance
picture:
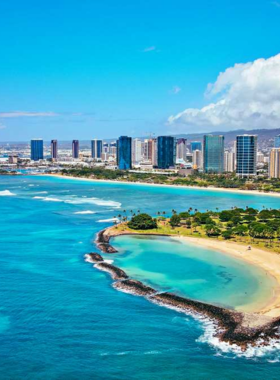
column 134, row 287
column 103, row 242
column 115, row 272
column 93, row 257
column 233, row 327
column 237, row 328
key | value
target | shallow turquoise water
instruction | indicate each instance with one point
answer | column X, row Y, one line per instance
column 174, row 265
column 61, row 319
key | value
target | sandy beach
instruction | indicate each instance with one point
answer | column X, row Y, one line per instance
column 210, row 188
column 268, row 261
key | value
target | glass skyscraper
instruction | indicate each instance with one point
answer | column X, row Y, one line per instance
column 277, row 141
column 124, row 153
column 54, row 149
column 75, row 148
column 213, row 153
column 37, row 149
column 246, row 155
column 166, row 152
column 196, row 145
column 96, row 148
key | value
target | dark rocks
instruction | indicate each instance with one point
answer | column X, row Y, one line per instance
column 115, row 272
column 134, row 287
column 103, row 243
column 93, row 257
column 232, row 329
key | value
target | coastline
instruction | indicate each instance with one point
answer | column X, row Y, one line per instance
column 234, row 327
column 221, row 189
column 266, row 260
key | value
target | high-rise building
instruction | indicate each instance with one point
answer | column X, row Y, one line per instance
column 75, row 148
column 213, row 153
column 260, row 158
column 124, row 159
column 246, row 155
column 37, row 149
column 274, row 163
column 196, row 145
column 136, row 151
column 181, row 149
column 96, row 148
column 197, row 159
column 105, row 147
column 166, row 152
column 54, row 150
column 229, row 162
column 277, row 141
column 113, row 148
column 150, row 150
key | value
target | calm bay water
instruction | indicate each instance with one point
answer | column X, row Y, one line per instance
column 61, row 319
column 173, row 265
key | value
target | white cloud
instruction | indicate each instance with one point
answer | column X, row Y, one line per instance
column 27, row 114
column 175, row 90
column 243, row 96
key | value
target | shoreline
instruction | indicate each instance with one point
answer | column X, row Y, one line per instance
column 209, row 188
column 268, row 261
column 234, row 327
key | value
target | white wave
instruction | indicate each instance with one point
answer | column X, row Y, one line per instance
column 6, row 193
column 31, row 185
column 85, row 212
column 210, row 327
column 260, row 349
column 94, row 201
column 88, row 259
column 109, row 261
column 49, row 199
column 108, row 220
column 41, row 192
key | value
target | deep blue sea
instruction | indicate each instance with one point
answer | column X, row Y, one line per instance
column 60, row 318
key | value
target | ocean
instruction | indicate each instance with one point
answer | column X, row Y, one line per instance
column 60, row 318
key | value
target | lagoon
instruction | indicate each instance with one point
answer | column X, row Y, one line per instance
column 60, row 318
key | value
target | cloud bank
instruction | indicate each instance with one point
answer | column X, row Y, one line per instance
column 243, row 96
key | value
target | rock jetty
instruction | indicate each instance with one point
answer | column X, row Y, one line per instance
column 134, row 287
column 103, row 242
column 93, row 257
column 115, row 272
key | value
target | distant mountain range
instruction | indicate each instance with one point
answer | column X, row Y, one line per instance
column 265, row 136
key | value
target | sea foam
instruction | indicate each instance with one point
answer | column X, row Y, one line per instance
column 108, row 220
column 94, row 201
column 84, row 212
column 6, row 193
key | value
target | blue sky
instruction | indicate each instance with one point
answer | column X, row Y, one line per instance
column 86, row 69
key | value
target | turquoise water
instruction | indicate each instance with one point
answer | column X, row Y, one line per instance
column 61, row 319
column 202, row 274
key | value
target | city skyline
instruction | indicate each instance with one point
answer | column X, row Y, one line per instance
column 159, row 73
